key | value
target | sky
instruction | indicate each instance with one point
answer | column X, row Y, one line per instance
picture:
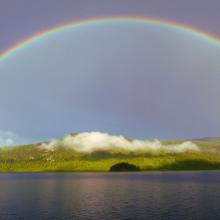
column 117, row 78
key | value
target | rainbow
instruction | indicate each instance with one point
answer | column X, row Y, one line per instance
column 80, row 23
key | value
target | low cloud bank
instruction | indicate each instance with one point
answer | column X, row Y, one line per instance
column 88, row 142
column 8, row 138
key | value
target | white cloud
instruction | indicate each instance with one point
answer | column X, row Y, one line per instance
column 8, row 138
column 91, row 141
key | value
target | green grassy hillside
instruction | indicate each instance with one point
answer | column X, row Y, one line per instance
column 32, row 158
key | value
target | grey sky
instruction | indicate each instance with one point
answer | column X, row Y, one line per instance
column 21, row 18
column 173, row 94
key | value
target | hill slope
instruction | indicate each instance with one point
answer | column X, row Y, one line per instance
column 42, row 157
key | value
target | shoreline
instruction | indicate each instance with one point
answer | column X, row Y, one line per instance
column 105, row 172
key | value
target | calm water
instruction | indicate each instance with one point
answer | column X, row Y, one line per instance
column 156, row 195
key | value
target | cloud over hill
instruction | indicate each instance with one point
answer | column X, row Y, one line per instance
column 88, row 142
column 8, row 138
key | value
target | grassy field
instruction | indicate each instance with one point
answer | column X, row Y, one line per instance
column 32, row 158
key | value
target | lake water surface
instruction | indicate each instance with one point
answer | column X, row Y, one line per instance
column 153, row 195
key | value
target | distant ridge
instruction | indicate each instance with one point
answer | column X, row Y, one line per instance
column 207, row 139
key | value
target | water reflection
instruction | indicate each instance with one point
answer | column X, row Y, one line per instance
column 184, row 195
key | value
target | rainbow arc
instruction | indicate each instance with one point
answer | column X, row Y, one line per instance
column 80, row 23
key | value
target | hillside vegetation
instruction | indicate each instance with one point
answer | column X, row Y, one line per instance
column 33, row 158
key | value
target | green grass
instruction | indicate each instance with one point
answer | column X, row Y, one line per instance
column 31, row 158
